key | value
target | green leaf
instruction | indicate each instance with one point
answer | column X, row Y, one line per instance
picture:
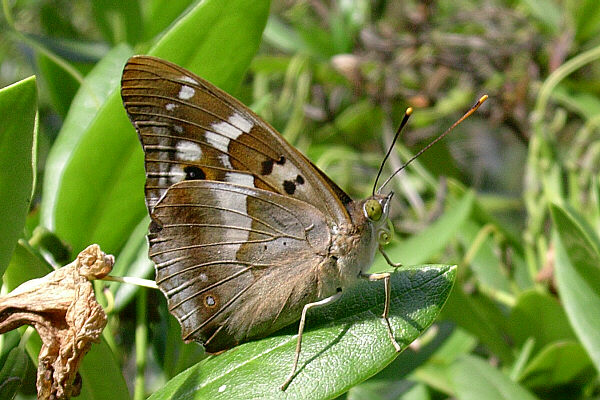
column 68, row 184
column 578, row 277
column 101, row 375
column 475, row 379
column 344, row 344
column 557, row 364
column 97, row 191
column 59, row 85
column 435, row 372
column 482, row 317
column 421, row 247
column 18, row 133
column 382, row 390
column 13, row 373
column 540, row 316
column 25, row 264
column 160, row 14
column 586, row 15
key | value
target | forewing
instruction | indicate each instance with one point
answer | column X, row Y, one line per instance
column 219, row 247
column 190, row 129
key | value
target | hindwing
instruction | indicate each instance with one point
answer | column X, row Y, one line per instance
column 233, row 261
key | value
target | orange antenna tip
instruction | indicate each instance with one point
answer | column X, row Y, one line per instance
column 408, row 111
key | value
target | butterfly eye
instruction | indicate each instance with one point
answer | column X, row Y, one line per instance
column 373, row 210
column 384, row 237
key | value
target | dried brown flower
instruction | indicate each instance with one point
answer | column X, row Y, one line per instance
column 63, row 309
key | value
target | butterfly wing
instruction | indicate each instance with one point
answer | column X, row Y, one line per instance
column 236, row 263
column 190, row 129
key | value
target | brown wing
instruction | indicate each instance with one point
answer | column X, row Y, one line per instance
column 190, row 129
column 236, row 263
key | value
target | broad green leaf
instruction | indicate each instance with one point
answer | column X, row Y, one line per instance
column 427, row 243
column 18, row 107
column 586, row 15
column 435, row 372
column 160, row 14
column 13, row 373
column 430, row 343
column 58, row 84
column 382, row 390
column 97, row 194
column 578, row 277
column 557, row 364
column 178, row 356
column 101, row 375
column 540, row 316
column 475, row 379
column 25, row 264
column 99, row 365
column 482, row 317
column 344, row 344
column 61, row 196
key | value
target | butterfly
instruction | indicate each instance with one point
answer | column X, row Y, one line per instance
column 246, row 233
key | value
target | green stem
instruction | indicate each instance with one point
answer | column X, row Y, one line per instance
column 558, row 75
column 141, row 344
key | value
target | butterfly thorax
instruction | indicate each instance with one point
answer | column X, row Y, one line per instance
column 354, row 245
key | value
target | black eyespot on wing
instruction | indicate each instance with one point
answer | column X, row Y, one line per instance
column 266, row 167
column 193, row 173
column 281, row 160
column 299, row 180
column 289, row 187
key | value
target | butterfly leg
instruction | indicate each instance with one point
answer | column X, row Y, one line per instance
column 388, row 259
column 386, row 307
column 307, row 307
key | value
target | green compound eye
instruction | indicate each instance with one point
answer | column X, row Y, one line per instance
column 373, row 210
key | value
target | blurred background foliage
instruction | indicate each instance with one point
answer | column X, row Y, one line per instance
column 523, row 320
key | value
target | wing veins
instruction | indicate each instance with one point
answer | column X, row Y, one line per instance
column 214, row 148
column 232, row 227
column 228, row 210
column 188, row 122
column 218, row 262
column 197, row 107
column 268, row 202
column 203, row 290
column 204, row 323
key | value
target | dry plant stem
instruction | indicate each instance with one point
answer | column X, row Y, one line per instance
column 62, row 307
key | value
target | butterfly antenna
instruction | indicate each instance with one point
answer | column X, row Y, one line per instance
column 407, row 114
column 474, row 108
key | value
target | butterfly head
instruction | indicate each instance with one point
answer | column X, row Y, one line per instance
column 375, row 210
